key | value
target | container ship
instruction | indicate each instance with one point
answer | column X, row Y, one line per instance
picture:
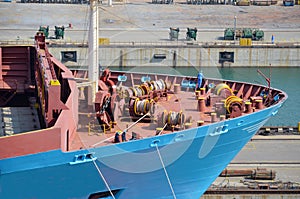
column 149, row 135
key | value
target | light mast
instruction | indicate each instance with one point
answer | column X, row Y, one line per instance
column 93, row 58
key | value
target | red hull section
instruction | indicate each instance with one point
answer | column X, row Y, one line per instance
column 31, row 78
column 30, row 143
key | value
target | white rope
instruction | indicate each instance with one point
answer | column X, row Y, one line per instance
column 105, row 182
column 102, row 141
column 98, row 169
column 125, row 130
column 136, row 122
column 162, row 129
column 166, row 173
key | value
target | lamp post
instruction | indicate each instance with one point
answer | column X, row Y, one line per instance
column 93, row 47
column 234, row 28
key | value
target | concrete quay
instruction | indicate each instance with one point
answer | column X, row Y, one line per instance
column 142, row 21
column 136, row 37
column 274, row 153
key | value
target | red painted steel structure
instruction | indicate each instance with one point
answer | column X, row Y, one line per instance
column 27, row 70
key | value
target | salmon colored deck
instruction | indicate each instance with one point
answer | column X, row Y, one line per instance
column 177, row 99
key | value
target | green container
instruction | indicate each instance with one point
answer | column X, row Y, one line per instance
column 45, row 30
column 59, row 32
column 229, row 34
column 191, row 34
column 247, row 33
column 258, row 35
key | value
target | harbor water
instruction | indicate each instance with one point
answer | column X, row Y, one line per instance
column 286, row 79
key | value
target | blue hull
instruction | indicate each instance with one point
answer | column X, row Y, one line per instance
column 181, row 164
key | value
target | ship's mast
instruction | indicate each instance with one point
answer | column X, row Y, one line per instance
column 93, row 42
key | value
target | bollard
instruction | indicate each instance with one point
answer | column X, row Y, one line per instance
column 213, row 117
column 200, row 123
column 187, row 125
column 201, row 104
column 259, row 104
column 177, row 88
column 158, row 131
column 248, row 107
column 222, row 117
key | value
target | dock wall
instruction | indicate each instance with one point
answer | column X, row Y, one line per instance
column 251, row 196
column 183, row 55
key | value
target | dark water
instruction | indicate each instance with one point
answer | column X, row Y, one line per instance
column 286, row 79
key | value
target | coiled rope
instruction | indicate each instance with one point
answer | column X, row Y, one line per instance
column 143, row 106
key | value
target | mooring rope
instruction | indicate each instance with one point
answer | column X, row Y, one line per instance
column 103, row 178
column 166, row 173
column 102, row 141
column 162, row 129
column 98, row 169
column 136, row 122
